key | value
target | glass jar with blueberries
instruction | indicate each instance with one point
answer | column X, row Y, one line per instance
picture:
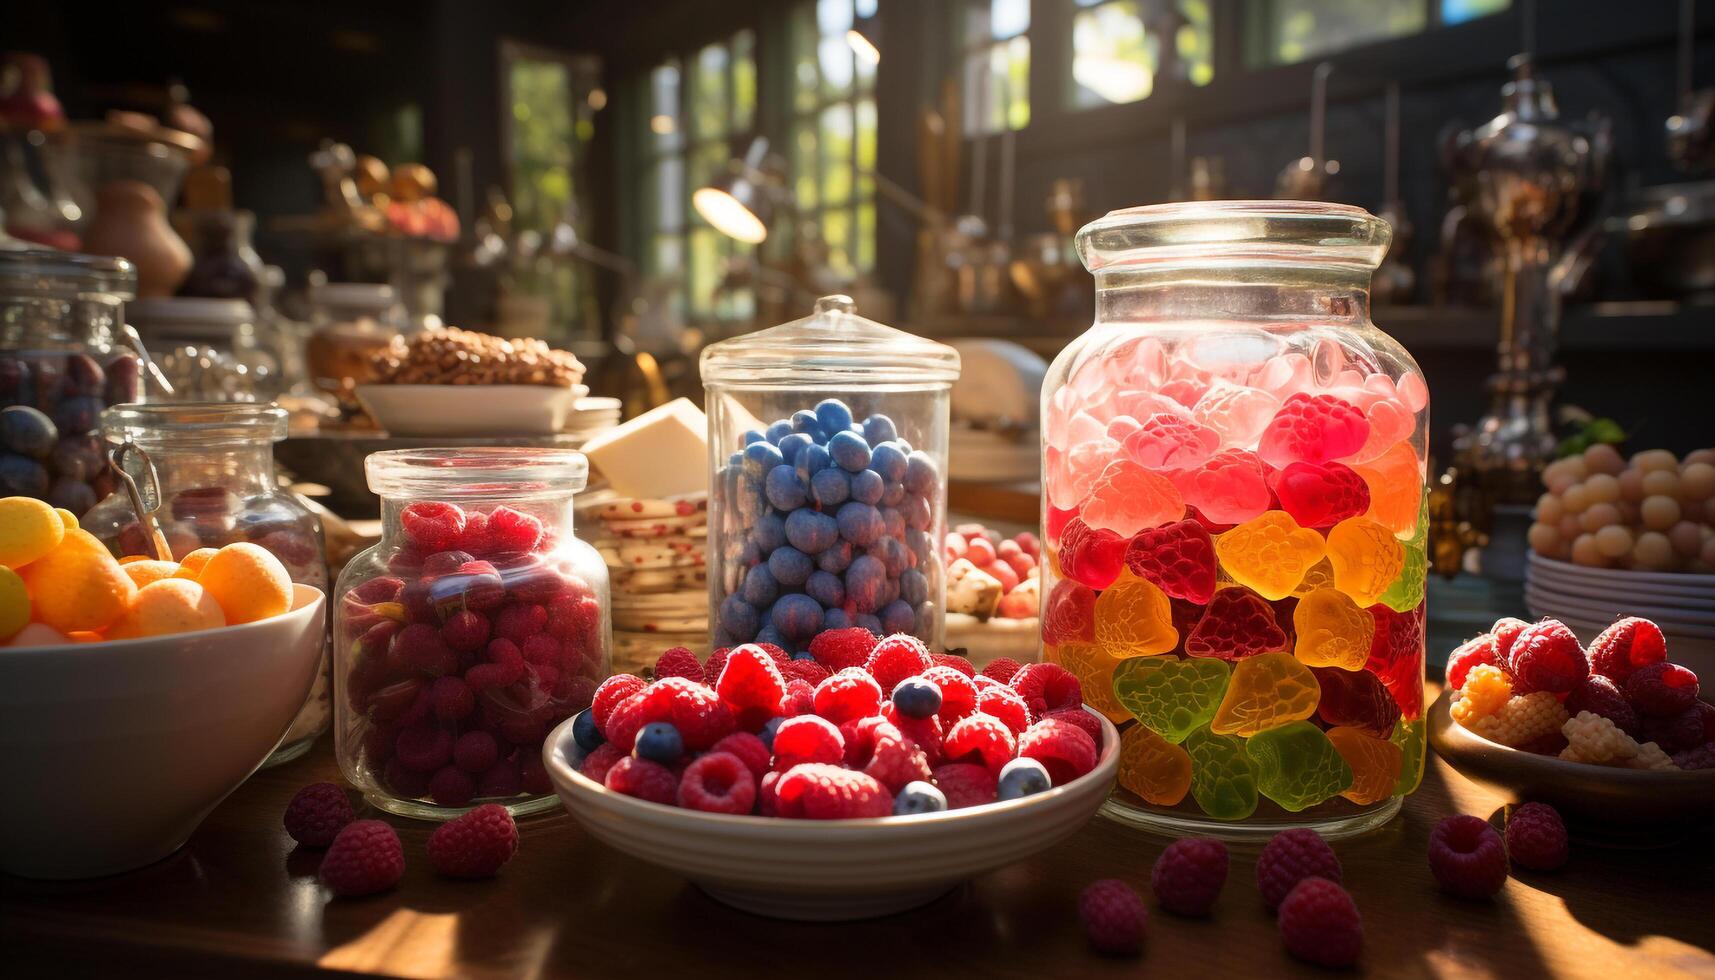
column 827, row 455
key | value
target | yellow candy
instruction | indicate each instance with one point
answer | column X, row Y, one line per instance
column 1395, row 479
column 1154, row 768
column 248, row 582
column 1133, row 618
column 1366, row 558
column 67, row 518
column 148, row 570
column 190, row 566
column 1320, row 576
column 1267, row 690
column 14, row 603
column 79, row 585
column 1332, row 631
column 29, row 529
column 1375, row 764
column 1271, row 554
column 39, row 635
column 168, row 605
column 1095, row 673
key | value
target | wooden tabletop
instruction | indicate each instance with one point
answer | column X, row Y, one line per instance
column 239, row 900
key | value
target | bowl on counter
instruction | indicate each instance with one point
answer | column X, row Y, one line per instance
column 470, row 410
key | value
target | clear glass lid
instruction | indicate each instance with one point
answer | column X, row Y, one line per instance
column 1232, row 233
column 46, row 272
column 205, row 424
column 476, row 473
column 833, row 345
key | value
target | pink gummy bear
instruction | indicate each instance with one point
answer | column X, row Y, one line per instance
column 1238, row 413
column 1170, row 442
column 1072, row 474
column 1227, row 489
column 1129, row 497
column 1313, row 429
column 1179, row 558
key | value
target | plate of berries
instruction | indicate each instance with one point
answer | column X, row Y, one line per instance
column 866, row 778
column 1614, row 735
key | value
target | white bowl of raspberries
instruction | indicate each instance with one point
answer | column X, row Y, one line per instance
column 870, row 779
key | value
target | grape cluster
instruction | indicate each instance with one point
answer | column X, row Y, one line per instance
column 1653, row 512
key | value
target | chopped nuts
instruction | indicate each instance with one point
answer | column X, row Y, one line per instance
column 465, row 357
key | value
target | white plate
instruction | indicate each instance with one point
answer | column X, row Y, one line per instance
column 470, row 410
column 1647, row 591
column 1623, row 577
column 1682, row 606
column 1582, row 619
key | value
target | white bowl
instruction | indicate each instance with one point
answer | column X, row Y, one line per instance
column 1598, row 596
column 1624, row 578
column 829, row 870
column 112, row 753
column 470, row 410
column 1543, row 602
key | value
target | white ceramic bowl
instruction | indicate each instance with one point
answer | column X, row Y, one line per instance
column 112, row 753
column 470, row 410
column 1623, row 580
column 829, row 870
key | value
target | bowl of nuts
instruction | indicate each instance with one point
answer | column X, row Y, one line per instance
column 452, row 382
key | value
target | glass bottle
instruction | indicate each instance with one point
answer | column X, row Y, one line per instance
column 1233, row 467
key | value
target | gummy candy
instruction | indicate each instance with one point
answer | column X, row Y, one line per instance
column 1313, row 429
column 1237, row 624
column 1289, row 372
column 1170, row 442
column 1069, row 614
column 1270, row 553
column 1128, row 497
column 1185, row 617
column 1320, row 576
column 1266, row 690
column 1154, row 768
column 1390, row 422
column 1237, row 413
column 1072, row 473
column 1320, row 494
column 1408, row 736
column 1355, row 699
column 1332, row 631
column 1375, row 764
column 1405, row 592
column 1093, row 556
column 1134, row 619
column 1179, row 558
column 1395, row 479
column 1396, row 656
column 1297, row 766
column 1173, row 698
column 1413, row 392
column 1228, row 488
column 1094, row 671
column 1223, row 778
column 1367, row 558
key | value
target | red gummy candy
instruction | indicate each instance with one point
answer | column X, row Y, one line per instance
column 1055, row 523
column 1357, row 699
column 1090, row 555
column 1320, row 494
column 1179, row 558
column 1396, row 656
column 1069, row 615
column 1237, row 624
column 1229, row 488
column 1313, row 429
column 1171, row 442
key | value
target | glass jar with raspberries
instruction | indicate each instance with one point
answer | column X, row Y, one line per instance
column 475, row 626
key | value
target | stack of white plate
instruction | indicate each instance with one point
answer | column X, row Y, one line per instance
column 590, row 416
column 1588, row 599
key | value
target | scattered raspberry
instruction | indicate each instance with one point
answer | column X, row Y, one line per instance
column 718, row 782
column 842, row 648
column 317, row 813
column 643, row 779
column 1506, row 632
column 679, row 662
column 1546, row 657
column 1290, row 857
column 1189, row 875
column 364, row 858
column 1473, row 652
column 1523, row 719
column 807, row 738
column 1113, row 916
column 848, row 695
column 751, row 685
column 1007, row 705
column 799, row 699
column 716, row 663
column 1467, row 857
column 432, row 525
column 896, row 658
column 1047, row 687
column 608, row 695
column 1083, row 719
column 1702, row 757
column 980, row 738
column 878, row 748
column 699, row 714
column 966, row 784
column 1001, row 669
column 750, row 750
column 1599, row 695
column 926, row 732
column 1320, row 924
column 961, row 664
column 597, row 763
column 808, row 671
column 816, row 791
column 1625, row 646
column 1661, row 689
column 1536, row 837
column 476, row 844
column 1676, row 734
column 1064, row 749
column 958, row 694
column 1485, row 692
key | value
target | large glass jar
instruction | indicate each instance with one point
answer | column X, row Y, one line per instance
column 475, row 626
column 214, row 467
column 62, row 361
column 1233, row 507
column 355, row 322
column 209, row 349
column 827, row 455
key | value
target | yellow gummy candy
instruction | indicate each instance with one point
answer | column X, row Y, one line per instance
column 1366, row 558
column 1266, row 690
column 1332, row 631
column 1375, row 764
column 1095, row 673
column 1133, row 618
column 14, row 603
column 67, row 518
column 1395, row 479
column 78, row 585
column 1271, row 554
column 29, row 529
column 1154, row 768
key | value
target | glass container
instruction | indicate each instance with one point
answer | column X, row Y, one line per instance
column 1233, row 507
column 214, row 465
column 354, row 323
column 476, row 625
column 209, row 349
column 827, row 449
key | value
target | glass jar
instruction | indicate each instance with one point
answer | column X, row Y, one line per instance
column 209, row 349
column 214, row 465
column 827, row 450
column 354, row 323
column 62, row 357
column 1233, row 474
column 476, row 625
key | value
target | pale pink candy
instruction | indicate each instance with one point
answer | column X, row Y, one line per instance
column 1381, row 385
column 1071, row 476
column 1328, row 359
column 1228, row 488
column 1412, row 391
column 1062, row 405
column 1143, row 364
column 1168, row 442
column 1141, row 403
column 1236, row 412
column 1121, row 426
column 1284, row 375
column 1349, row 378
column 1128, row 497
column 1185, row 391
column 1083, row 428
column 1389, row 423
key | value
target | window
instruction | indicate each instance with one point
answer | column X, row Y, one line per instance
column 995, row 60
column 1285, row 31
column 1460, row 11
column 831, row 146
column 1116, row 54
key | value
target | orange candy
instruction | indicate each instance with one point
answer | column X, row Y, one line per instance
column 1271, row 554
column 1366, row 558
column 78, row 585
column 168, row 605
column 1375, row 764
column 1395, row 479
column 146, row 570
column 1154, row 768
column 1095, row 676
column 248, row 582
column 1266, row 690
column 1133, row 618
column 1332, row 631
column 190, row 566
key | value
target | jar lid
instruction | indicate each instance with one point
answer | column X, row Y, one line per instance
column 376, row 296
column 48, row 272
column 831, row 345
column 189, row 317
column 208, row 423
column 488, row 472
column 1234, row 233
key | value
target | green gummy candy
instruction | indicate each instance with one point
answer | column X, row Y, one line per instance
column 1405, row 593
column 1223, row 781
column 1296, row 766
column 1408, row 735
column 1172, row 697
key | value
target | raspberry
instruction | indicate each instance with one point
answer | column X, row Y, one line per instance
column 1536, row 837
column 1473, row 652
column 465, row 631
column 767, row 800
column 965, row 784
column 575, row 617
column 474, row 539
column 1485, row 692
column 1661, row 689
column 1523, row 719
column 451, row 786
column 476, row 752
column 365, row 857
column 1081, row 718
column 1007, row 705
column 842, row 648
column 881, row 750
column 817, row 791
column 511, row 530
column 980, row 738
column 608, row 695
column 423, row 748
column 419, row 646
column 799, row 699
column 317, row 813
column 1676, row 734
column 958, row 694
column 1064, row 749
column 626, row 720
column 848, row 695
column 1001, row 669
column 1047, row 687
column 750, row 684
column 1702, row 757
column 679, row 662
column 926, row 732
column 643, row 779
column 476, row 844
column 1707, row 711
column 961, row 664
column 520, row 621
column 432, row 525
column 896, row 658
column 1188, row 876
column 541, row 650
column 1597, row 740
column 503, row 778
column 1599, row 695
column 451, row 698
column 808, row 671
column 1546, row 657
column 779, row 655
column 749, row 749
column 696, row 711
column 1320, row 924
column 807, row 739
column 1625, row 646
column 596, row 764
column 718, row 782
column 716, row 663
column 1506, row 632
column 1290, row 857
column 1467, row 857
column 1113, row 916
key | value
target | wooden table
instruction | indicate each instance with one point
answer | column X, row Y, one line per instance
column 240, row 901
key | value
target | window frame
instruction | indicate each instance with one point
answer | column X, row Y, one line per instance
column 965, row 50
column 862, row 196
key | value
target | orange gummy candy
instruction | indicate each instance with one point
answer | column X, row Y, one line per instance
column 1154, row 768
column 1094, row 672
column 1133, row 619
column 78, row 585
column 1271, row 554
column 1375, row 764
column 1332, row 631
column 1366, row 558
column 1395, row 479
column 1320, row 576
column 1266, row 690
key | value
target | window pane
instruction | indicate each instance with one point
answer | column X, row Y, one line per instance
column 837, row 231
column 1459, row 11
column 669, row 188
column 709, row 115
column 709, row 162
column 1012, row 76
column 1008, row 18
column 664, row 107
column 1196, row 41
column 866, row 236
column 704, row 272
column 542, row 141
column 866, row 127
column 667, row 258
column 833, row 17
column 836, row 127
column 1301, row 29
column 804, row 169
column 835, row 57
column 1111, row 59
column 807, row 78
column 743, row 81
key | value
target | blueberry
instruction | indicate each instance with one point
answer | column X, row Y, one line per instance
column 805, row 423
column 917, row 512
column 878, row 429
column 76, row 457
column 585, row 732
column 78, row 414
column 849, row 450
column 889, row 589
column 918, row 544
column 659, row 741
column 769, row 727
column 768, row 634
column 789, row 566
column 833, row 415
column 751, row 435
column 915, row 697
column 811, row 460
column 804, row 655
column 919, row 797
column 913, row 587
column 894, row 494
column 904, row 447
column 887, row 460
column 760, row 588
column 859, row 523
column 835, row 558
column 797, row 616
column 784, row 489
column 826, row 588
column 739, row 617
column 1022, row 777
column 84, row 376
column 810, row 531
column 892, row 522
column 835, row 619
column 921, row 474
column 925, row 612
column 25, row 431
column 770, row 532
column 778, row 431
column 868, row 486
column 830, row 488
column 794, row 444
column 863, row 584
column 892, row 555
column 749, row 555
column 760, row 458
column 897, row 617
column 21, row 476
column 869, row 622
